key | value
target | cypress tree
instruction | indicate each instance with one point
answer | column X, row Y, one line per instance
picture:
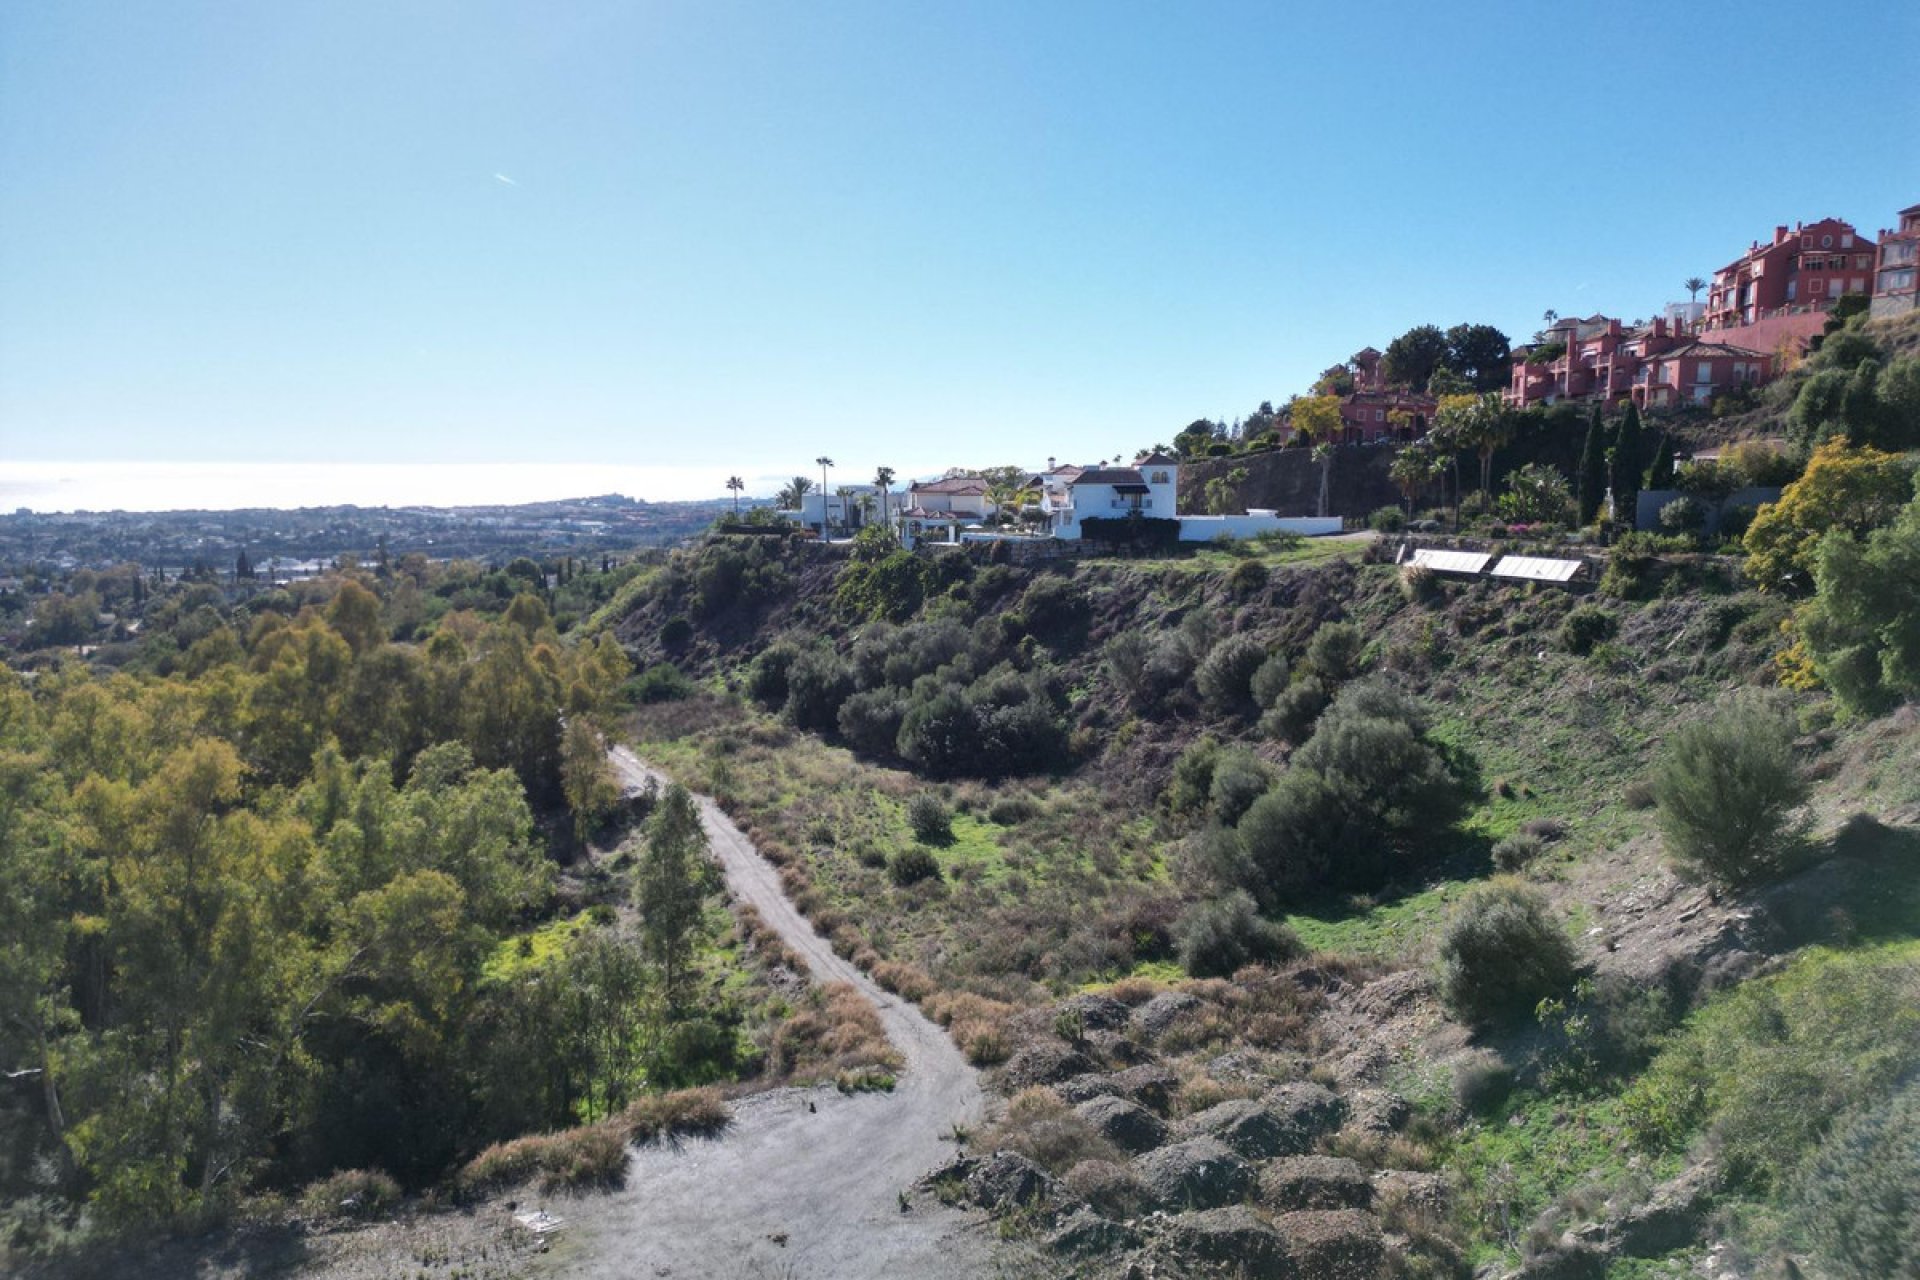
column 1626, row 464
column 1660, row 474
column 1593, row 468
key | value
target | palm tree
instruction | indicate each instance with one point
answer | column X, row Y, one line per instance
column 883, row 477
column 845, row 494
column 794, row 492
column 1693, row 286
column 1549, row 316
column 1323, row 454
column 1411, row 469
column 1487, row 427
column 823, row 462
column 736, row 484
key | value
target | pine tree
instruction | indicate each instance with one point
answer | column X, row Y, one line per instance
column 1593, row 468
column 675, row 876
column 1626, row 464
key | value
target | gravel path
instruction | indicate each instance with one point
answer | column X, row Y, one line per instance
column 806, row 1182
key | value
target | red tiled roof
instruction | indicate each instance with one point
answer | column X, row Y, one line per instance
column 951, row 484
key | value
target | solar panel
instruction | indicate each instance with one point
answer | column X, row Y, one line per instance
column 1536, row 569
column 1451, row 561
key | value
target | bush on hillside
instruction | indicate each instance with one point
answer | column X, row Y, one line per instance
column 912, row 865
column 767, row 677
column 1225, row 934
column 1502, row 952
column 358, row 1193
column 870, row 721
column 1247, row 577
column 1334, row 651
column 1239, row 779
column 1725, row 786
column 817, row 683
column 930, row 820
column 1270, row 681
column 1292, row 715
column 1191, row 787
column 1225, row 678
column 1387, row 520
column 662, row 682
column 1683, row 515
column 1856, row 1200
column 1516, row 851
column 1586, row 626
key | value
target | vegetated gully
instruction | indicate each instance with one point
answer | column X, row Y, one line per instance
column 805, row 1182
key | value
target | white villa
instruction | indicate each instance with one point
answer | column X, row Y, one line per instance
column 840, row 512
column 942, row 510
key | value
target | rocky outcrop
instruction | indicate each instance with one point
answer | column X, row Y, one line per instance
column 1198, row 1174
column 1314, row 1182
column 1342, row 1244
column 1249, row 1129
column 1234, row 1237
column 1123, row 1122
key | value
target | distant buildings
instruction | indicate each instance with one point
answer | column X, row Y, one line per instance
column 1769, row 302
column 1374, row 411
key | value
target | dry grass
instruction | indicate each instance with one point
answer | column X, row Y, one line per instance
column 1043, row 1128
column 594, row 1155
column 837, row 1033
column 350, row 1193
column 977, row 1024
column 681, row 1113
column 904, row 980
column 768, row 945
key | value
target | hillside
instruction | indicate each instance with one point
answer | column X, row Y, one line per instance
column 1090, row 855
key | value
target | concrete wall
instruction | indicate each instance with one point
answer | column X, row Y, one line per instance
column 1207, row 528
column 1646, row 511
column 1288, row 481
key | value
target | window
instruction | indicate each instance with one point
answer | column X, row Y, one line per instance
column 1826, row 242
column 1816, row 285
column 1846, row 242
column 1704, row 373
column 1379, row 415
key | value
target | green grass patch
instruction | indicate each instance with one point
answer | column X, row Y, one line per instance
column 1401, row 928
column 522, row 952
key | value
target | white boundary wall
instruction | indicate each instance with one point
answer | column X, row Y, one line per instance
column 1207, row 528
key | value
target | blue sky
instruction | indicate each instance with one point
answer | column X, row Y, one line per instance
column 736, row 236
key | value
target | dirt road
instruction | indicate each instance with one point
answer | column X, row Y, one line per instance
column 805, row 1184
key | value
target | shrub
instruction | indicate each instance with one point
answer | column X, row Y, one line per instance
column 767, row 677
column 1041, row 1127
column 1270, row 681
column 593, row 1155
column 1586, row 626
column 1221, row 936
column 675, row 1114
column 1291, row 717
column 1191, row 787
column 360, row 1193
column 1239, row 778
column 1502, row 953
column 1056, row 610
column 1225, row 679
column 870, row 721
column 1011, row 811
column 930, row 820
column 912, row 865
column 676, row 633
column 817, row 683
column 1110, row 1187
column 1418, row 583
column 1683, row 515
column 1387, row 520
column 1334, row 651
column 1856, row 1199
column 1516, row 851
column 1481, row 1082
column 1725, row 785
column 662, row 682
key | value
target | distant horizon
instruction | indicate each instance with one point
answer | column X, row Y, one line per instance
column 64, row 488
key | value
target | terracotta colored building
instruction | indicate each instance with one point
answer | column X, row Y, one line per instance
column 1894, row 292
column 1368, row 412
column 1696, row 372
column 1599, row 359
column 1807, row 268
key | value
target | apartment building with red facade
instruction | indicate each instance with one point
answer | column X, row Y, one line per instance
column 1596, row 358
column 1894, row 292
column 1695, row 372
column 1802, row 270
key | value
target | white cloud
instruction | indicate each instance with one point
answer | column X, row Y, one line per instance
column 501, row 177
